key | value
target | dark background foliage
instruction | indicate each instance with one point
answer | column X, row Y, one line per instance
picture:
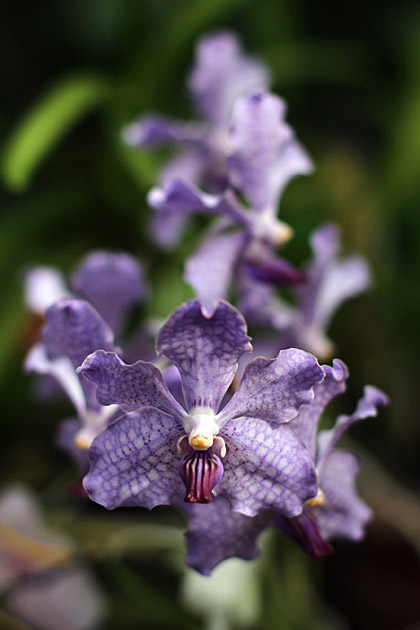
column 73, row 72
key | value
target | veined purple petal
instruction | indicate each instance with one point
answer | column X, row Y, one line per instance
column 222, row 73
column 366, row 408
column 135, row 461
column 216, row 533
column 305, row 425
column 113, row 282
column 265, row 155
column 205, row 350
column 343, row 514
column 75, row 329
column 130, row 386
column 211, row 268
column 275, row 389
column 266, row 467
column 155, row 130
column 303, row 529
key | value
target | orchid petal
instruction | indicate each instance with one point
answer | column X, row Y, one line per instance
column 205, row 350
column 343, row 514
column 135, row 461
column 305, row 424
column 211, row 268
column 112, row 282
column 216, row 533
column 266, row 467
column 275, row 389
column 366, row 408
column 75, row 329
column 221, row 74
column 130, row 386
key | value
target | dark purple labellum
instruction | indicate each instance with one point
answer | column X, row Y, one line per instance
column 200, row 471
column 303, row 529
column 275, row 272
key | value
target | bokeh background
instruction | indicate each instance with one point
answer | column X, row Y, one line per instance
column 73, row 73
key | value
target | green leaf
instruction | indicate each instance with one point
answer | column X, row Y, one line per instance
column 46, row 123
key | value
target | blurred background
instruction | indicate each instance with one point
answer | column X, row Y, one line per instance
column 73, row 73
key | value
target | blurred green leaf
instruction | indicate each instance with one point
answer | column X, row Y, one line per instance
column 46, row 123
column 404, row 160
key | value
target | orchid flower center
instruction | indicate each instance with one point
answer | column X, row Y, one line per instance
column 93, row 423
column 201, row 428
column 267, row 228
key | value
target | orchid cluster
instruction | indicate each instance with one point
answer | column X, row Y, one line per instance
column 229, row 437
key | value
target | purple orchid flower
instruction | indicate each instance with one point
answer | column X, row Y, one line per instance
column 73, row 330
column 216, row 533
column 113, row 282
column 330, row 280
column 41, row 579
column 148, row 456
column 264, row 156
column 222, row 73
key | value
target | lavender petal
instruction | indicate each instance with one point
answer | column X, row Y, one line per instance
column 265, row 154
column 331, row 280
column 275, row 389
column 75, row 329
column 222, row 73
column 344, row 514
column 343, row 280
column 130, row 386
column 166, row 227
column 211, row 268
column 305, row 424
column 266, row 467
column 215, row 533
column 112, row 282
column 205, row 350
column 155, row 130
column 134, row 462
column 366, row 408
